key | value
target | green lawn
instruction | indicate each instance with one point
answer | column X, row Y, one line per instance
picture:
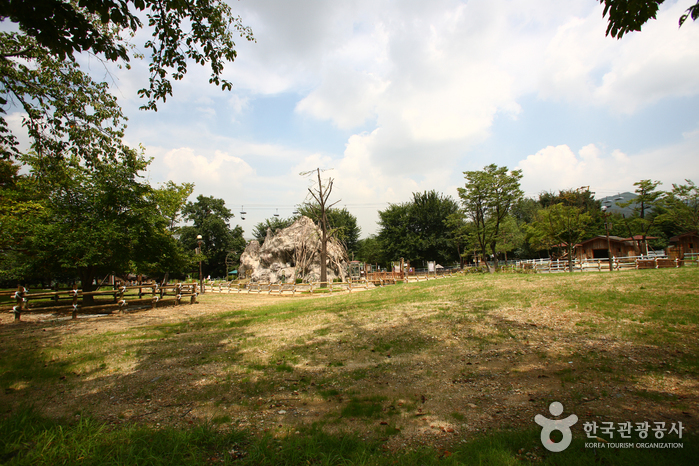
column 450, row 371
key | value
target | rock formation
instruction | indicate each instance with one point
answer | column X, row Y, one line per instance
column 292, row 253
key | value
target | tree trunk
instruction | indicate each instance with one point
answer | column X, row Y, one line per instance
column 86, row 278
column 645, row 244
column 570, row 257
column 324, row 256
column 484, row 258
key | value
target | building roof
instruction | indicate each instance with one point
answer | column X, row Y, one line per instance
column 616, row 239
column 689, row 234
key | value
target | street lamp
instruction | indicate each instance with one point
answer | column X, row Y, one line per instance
column 201, row 282
column 607, row 227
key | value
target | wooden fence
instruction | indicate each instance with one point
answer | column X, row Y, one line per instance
column 600, row 265
column 282, row 288
column 123, row 298
column 370, row 281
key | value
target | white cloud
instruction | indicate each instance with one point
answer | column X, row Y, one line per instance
column 584, row 66
column 556, row 168
column 185, row 164
column 347, row 97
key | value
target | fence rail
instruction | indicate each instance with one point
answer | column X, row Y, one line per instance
column 123, row 297
column 285, row 288
column 371, row 280
column 618, row 263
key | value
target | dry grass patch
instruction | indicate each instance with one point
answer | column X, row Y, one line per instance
column 421, row 363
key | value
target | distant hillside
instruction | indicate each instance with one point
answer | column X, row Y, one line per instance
column 611, row 203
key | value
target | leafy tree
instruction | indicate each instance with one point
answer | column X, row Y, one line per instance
column 583, row 199
column 560, row 224
column 82, row 209
column 645, row 206
column 487, row 199
column 181, row 31
column 274, row 223
column 460, row 234
column 61, row 106
column 418, row 230
column 683, row 207
column 87, row 223
column 369, row 251
column 395, row 237
column 171, row 199
column 211, row 217
column 524, row 212
column 66, row 113
column 19, row 207
column 510, row 236
column 625, row 16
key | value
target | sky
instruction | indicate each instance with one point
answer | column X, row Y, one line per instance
column 396, row 97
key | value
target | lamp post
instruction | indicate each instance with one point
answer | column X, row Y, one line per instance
column 607, row 227
column 201, row 282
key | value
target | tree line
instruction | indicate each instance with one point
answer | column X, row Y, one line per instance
column 494, row 221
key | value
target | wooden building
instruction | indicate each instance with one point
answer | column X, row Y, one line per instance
column 685, row 243
column 596, row 248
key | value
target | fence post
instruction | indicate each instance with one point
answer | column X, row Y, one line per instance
column 75, row 301
column 121, row 300
column 154, row 299
column 20, row 299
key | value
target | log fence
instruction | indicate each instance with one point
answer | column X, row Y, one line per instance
column 285, row 288
column 375, row 279
column 123, row 298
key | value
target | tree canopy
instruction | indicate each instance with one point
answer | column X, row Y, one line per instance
column 63, row 111
column 561, row 226
column 645, row 213
column 487, row 198
column 79, row 208
column 418, row 230
column 625, row 16
column 66, row 113
column 84, row 222
column 683, row 207
column 181, row 31
column 210, row 218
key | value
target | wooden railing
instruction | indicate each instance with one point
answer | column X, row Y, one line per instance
column 618, row 263
column 371, row 280
column 123, row 298
column 282, row 288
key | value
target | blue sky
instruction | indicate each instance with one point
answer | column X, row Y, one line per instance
column 403, row 96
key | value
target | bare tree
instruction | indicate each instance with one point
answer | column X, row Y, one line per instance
column 321, row 195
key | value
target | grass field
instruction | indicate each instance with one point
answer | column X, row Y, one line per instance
column 449, row 371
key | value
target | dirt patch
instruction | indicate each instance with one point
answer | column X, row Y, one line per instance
column 422, row 374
